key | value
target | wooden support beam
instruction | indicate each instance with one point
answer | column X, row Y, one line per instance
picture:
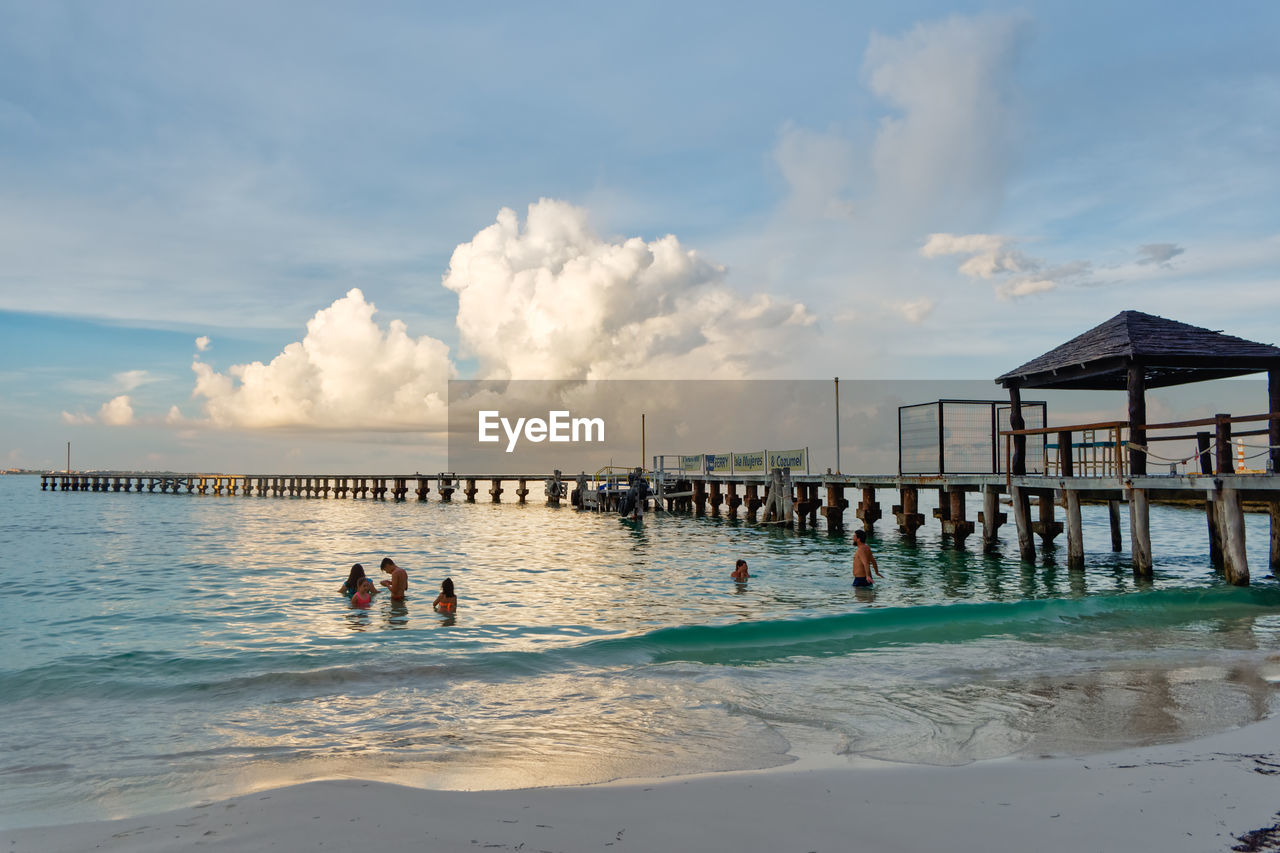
column 1235, row 563
column 1140, row 532
column 1046, row 528
column 522, row 491
column 834, row 509
column 1137, row 385
column 470, row 490
column 1273, row 426
column 1113, row 513
column 1018, row 463
column 1075, row 531
column 1223, row 449
column 868, row 509
column 806, row 508
column 495, row 491
column 991, row 518
column 1022, row 518
column 714, row 498
column 699, row 497
column 1273, row 510
column 908, row 514
column 1066, row 458
column 752, row 500
column 955, row 524
column 1213, row 518
column 732, row 499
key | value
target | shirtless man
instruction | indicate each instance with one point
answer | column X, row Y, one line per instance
column 863, row 561
column 399, row 579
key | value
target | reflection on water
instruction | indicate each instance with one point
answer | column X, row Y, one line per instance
column 397, row 614
column 198, row 645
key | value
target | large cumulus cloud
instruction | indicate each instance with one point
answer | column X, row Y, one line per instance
column 346, row 373
column 552, row 300
column 548, row 299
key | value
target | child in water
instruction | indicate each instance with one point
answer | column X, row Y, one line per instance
column 353, row 580
column 446, row 601
column 364, row 594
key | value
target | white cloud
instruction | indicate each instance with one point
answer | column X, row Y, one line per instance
column 818, row 169
column 76, row 419
column 117, row 412
column 555, row 301
column 346, row 373
column 202, row 343
column 951, row 84
column 991, row 257
column 131, row 379
column 942, row 151
column 915, row 310
column 1158, row 253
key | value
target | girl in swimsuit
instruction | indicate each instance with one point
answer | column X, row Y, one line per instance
column 364, row 594
column 446, row 601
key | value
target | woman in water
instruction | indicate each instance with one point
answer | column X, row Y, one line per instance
column 446, row 601
column 353, row 580
column 364, row 594
column 740, row 572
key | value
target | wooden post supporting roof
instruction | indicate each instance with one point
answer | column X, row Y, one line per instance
column 1018, row 465
column 1137, row 388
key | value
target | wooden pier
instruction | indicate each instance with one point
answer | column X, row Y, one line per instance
column 1107, row 461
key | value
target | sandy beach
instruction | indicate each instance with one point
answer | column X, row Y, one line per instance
column 1196, row 796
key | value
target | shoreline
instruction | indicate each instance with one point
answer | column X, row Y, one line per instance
column 1194, row 796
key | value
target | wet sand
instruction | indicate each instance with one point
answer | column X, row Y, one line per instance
column 1195, row 796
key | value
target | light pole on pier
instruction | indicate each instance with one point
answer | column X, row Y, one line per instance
column 837, row 424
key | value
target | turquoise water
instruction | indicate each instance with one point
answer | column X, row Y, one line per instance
column 161, row 650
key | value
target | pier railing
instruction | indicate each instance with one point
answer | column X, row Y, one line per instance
column 1106, row 449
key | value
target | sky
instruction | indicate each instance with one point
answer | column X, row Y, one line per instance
column 264, row 237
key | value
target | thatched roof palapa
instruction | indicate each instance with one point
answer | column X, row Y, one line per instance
column 1170, row 353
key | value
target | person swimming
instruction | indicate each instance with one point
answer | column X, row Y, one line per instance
column 364, row 594
column 353, row 580
column 740, row 573
column 446, row 601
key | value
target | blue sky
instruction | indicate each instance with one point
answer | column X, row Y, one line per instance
column 869, row 190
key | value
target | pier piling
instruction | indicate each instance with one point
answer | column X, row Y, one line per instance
column 1075, row 532
column 1046, row 528
column 991, row 518
column 1022, row 519
column 833, row 512
column 868, row 511
column 1235, row 562
column 732, row 499
column 908, row 514
column 956, row 525
column 1140, row 532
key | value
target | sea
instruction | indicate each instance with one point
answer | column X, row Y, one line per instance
column 164, row 650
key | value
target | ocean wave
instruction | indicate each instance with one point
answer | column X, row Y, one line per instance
column 740, row 643
column 870, row 628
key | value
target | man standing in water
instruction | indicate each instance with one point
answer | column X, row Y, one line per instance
column 399, row 579
column 863, row 560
